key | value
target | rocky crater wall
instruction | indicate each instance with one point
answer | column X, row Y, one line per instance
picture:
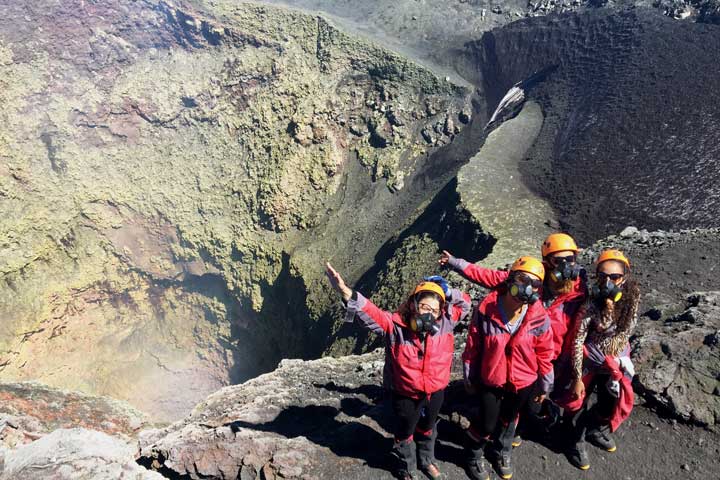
column 173, row 175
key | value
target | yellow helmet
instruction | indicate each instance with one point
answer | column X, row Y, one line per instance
column 529, row 265
column 617, row 255
column 430, row 287
column 557, row 242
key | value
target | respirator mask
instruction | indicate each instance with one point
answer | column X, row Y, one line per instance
column 525, row 288
column 605, row 288
column 424, row 323
column 565, row 268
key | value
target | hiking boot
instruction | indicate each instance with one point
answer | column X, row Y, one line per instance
column 432, row 471
column 404, row 452
column 477, row 469
column 601, row 438
column 404, row 475
column 578, row 456
column 516, row 441
column 504, row 465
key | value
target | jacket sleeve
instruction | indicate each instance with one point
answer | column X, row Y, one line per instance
column 567, row 336
column 545, row 350
column 460, row 305
column 369, row 315
column 484, row 276
column 473, row 344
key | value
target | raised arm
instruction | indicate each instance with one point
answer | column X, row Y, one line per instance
column 484, row 276
column 370, row 316
column 460, row 304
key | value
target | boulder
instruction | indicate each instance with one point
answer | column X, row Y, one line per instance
column 678, row 360
column 70, row 454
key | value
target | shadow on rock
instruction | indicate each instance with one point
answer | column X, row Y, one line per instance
column 319, row 425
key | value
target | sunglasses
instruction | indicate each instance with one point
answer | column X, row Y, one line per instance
column 425, row 308
column 525, row 280
column 612, row 276
column 558, row 260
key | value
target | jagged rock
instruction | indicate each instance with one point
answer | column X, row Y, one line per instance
column 291, row 422
column 70, row 454
column 679, row 360
column 329, row 418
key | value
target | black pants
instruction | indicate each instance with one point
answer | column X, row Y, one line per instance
column 499, row 409
column 416, row 413
column 595, row 415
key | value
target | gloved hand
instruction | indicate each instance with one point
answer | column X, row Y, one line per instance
column 440, row 281
column 613, row 387
column 627, row 366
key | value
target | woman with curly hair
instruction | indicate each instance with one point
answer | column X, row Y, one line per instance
column 601, row 358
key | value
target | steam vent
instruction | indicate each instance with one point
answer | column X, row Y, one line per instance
column 175, row 176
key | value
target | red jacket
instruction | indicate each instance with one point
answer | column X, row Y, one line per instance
column 562, row 311
column 414, row 367
column 497, row 359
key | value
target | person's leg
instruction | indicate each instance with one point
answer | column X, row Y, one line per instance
column 481, row 427
column 407, row 412
column 578, row 426
column 598, row 432
column 533, row 420
column 511, row 406
column 426, row 433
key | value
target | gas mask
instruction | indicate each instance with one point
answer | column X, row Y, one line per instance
column 565, row 271
column 524, row 291
column 606, row 290
column 424, row 323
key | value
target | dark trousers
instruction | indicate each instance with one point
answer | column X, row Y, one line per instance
column 498, row 414
column 416, row 414
column 415, row 418
column 596, row 415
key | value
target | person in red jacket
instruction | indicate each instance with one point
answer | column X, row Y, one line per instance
column 563, row 292
column 418, row 355
column 509, row 348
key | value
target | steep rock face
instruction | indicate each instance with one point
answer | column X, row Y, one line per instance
column 171, row 176
column 624, row 142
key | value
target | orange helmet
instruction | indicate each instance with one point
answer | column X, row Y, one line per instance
column 529, row 265
column 430, row 287
column 617, row 255
column 557, row 242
